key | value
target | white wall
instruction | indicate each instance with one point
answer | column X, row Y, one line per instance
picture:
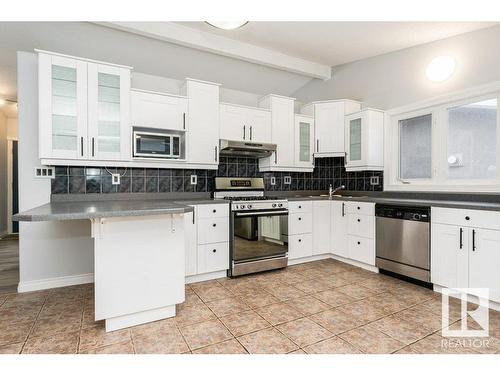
column 51, row 253
column 3, row 174
column 11, row 128
column 398, row 78
column 173, row 86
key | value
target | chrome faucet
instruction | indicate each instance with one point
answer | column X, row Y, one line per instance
column 331, row 191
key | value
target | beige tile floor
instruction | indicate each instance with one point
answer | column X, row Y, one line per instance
column 318, row 307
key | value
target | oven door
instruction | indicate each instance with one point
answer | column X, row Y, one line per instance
column 259, row 236
column 154, row 145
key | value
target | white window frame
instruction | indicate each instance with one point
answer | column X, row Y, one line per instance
column 438, row 108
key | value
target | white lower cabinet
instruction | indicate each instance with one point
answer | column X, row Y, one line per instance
column 207, row 246
column 299, row 223
column 300, row 246
column 466, row 255
column 321, row 225
column 339, row 244
column 361, row 249
column 213, row 257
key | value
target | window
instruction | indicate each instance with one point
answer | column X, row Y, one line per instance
column 472, row 141
column 450, row 146
column 415, row 147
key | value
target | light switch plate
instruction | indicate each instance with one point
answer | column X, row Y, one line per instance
column 287, row 180
column 273, row 180
column 115, row 179
column 374, row 180
column 194, row 179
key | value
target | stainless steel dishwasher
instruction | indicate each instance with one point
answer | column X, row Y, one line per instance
column 403, row 240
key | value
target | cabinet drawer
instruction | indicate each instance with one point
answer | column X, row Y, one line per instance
column 213, row 257
column 299, row 246
column 361, row 249
column 466, row 218
column 361, row 225
column 299, row 206
column 362, row 208
column 205, row 211
column 300, row 223
column 213, row 230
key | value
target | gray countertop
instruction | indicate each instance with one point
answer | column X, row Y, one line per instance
column 472, row 205
column 99, row 209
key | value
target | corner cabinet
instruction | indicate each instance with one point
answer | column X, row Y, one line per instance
column 304, row 141
column 329, row 125
column 83, row 109
column 364, row 140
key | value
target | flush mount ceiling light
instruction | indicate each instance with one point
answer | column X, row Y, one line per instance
column 227, row 25
column 440, row 68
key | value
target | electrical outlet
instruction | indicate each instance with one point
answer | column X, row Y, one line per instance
column 45, row 172
column 273, row 180
column 288, row 180
column 194, row 179
column 374, row 180
column 115, row 179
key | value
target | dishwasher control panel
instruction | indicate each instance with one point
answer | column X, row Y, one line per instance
column 403, row 213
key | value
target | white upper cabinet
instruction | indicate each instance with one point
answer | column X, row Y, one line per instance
column 108, row 112
column 202, row 122
column 239, row 123
column 364, row 139
column 283, row 133
column 158, row 110
column 83, row 109
column 329, row 125
column 62, row 84
column 304, row 141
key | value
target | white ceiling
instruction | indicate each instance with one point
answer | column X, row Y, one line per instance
column 334, row 43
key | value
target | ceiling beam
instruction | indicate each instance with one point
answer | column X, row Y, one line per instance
column 193, row 38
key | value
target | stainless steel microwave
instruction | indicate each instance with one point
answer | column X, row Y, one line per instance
column 157, row 145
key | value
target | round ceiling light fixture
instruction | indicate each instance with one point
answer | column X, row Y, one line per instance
column 227, row 25
column 440, row 68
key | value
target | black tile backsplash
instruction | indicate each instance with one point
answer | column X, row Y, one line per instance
column 80, row 180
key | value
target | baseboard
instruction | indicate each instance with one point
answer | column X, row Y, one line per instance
column 56, row 282
column 352, row 262
column 292, row 262
column 205, row 277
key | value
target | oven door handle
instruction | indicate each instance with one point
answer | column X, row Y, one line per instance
column 258, row 213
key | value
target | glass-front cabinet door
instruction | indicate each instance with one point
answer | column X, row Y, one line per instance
column 354, row 132
column 304, row 141
column 108, row 107
column 62, row 107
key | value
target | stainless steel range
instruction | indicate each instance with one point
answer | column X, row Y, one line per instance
column 258, row 225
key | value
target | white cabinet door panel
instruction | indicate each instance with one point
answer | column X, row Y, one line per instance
column 258, row 125
column 300, row 246
column 484, row 261
column 339, row 229
column 213, row 230
column 321, row 227
column 213, row 257
column 152, row 110
column 449, row 256
column 362, row 249
column 300, row 223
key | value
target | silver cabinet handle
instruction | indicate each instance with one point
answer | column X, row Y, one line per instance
column 81, row 146
column 461, row 238
column 93, row 143
column 216, row 153
column 250, row 132
column 244, row 131
column 343, row 209
column 276, row 157
column 184, row 120
column 317, row 145
column 473, row 240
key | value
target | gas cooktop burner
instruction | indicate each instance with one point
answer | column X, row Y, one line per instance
column 256, row 198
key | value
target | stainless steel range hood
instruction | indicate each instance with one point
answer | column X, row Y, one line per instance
column 248, row 149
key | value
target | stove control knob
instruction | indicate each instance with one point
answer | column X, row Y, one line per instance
column 249, row 206
column 242, row 206
column 280, row 204
column 274, row 205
